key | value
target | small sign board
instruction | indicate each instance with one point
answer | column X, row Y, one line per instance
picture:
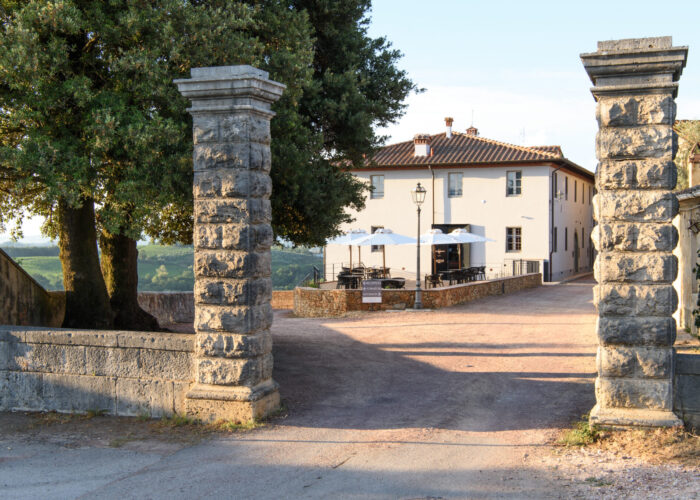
column 372, row 291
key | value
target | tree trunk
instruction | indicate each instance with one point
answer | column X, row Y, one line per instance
column 87, row 302
column 120, row 271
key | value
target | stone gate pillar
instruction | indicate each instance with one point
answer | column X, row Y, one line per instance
column 232, row 237
column 635, row 83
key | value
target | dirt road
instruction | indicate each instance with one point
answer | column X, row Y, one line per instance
column 455, row 403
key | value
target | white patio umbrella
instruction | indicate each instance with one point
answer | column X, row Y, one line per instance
column 461, row 235
column 437, row 237
column 348, row 239
column 384, row 237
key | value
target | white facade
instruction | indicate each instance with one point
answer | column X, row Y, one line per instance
column 487, row 209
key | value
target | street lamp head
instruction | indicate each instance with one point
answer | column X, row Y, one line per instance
column 418, row 194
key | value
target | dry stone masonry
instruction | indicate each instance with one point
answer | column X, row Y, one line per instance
column 232, row 237
column 635, row 83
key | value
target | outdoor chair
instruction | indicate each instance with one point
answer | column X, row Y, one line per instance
column 374, row 274
column 481, row 274
column 471, row 273
column 433, row 280
column 396, row 283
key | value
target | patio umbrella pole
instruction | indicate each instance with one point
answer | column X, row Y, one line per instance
column 350, row 248
column 384, row 259
column 359, row 256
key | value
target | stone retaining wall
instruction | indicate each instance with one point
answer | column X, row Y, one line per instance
column 122, row 373
column 282, row 299
column 687, row 400
column 315, row 303
column 169, row 307
column 23, row 301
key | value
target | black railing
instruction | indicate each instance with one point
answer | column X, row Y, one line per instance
column 312, row 278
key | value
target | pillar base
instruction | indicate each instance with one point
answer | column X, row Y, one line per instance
column 632, row 417
column 211, row 403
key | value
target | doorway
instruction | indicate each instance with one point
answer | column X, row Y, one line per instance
column 446, row 257
column 576, row 251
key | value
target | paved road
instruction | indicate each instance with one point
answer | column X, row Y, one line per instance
column 442, row 404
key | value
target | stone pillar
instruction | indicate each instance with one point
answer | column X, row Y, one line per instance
column 635, row 83
column 232, row 237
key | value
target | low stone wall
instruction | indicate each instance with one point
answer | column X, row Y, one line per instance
column 23, row 301
column 122, row 373
column 282, row 299
column 687, row 400
column 168, row 307
column 315, row 303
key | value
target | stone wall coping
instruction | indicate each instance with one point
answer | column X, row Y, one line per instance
column 688, row 364
column 165, row 341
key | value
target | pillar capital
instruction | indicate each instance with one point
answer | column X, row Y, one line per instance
column 635, row 66
column 225, row 89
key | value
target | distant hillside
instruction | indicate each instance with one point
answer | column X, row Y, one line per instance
column 163, row 268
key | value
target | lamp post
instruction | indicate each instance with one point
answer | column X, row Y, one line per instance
column 418, row 195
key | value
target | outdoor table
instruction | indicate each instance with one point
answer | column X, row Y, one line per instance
column 449, row 276
column 395, row 283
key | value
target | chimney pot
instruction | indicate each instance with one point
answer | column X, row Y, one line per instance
column 473, row 131
column 421, row 143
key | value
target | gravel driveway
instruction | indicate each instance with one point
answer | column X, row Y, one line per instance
column 457, row 403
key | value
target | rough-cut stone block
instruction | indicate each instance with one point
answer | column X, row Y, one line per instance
column 244, row 128
column 636, row 362
column 635, row 237
column 137, row 397
column 256, row 238
column 241, row 319
column 631, row 331
column 635, row 300
column 219, row 156
column 21, row 391
column 165, row 365
column 234, row 346
column 205, row 128
column 180, row 390
column 219, row 264
column 635, row 206
column 636, row 267
column 250, row 292
column 228, row 183
column 49, row 358
column 14, row 335
column 112, row 362
column 631, row 110
column 79, row 393
column 651, row 141
column 232, row 210
column 655, row 173
column 224, row 371
column 653, row 394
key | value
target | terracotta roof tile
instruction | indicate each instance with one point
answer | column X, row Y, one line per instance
column 462, row 149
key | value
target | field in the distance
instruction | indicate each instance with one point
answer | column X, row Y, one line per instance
column 163, row 268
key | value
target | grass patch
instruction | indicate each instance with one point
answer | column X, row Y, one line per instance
column 598, row 482
column 581, row 435
column 231, row 426
column 95, row 413
column 121, row 441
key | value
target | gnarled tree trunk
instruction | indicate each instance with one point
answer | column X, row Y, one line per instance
column 120, row 271
column 87, row 302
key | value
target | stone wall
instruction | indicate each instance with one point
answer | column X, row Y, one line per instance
column 23, row 300
column 282, row 299
column 687, row 401
column 122, row 373
column 168, row 307
column 318, row 303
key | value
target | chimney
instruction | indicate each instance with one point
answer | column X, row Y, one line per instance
column 421, row 143
column 448, row 127
column 472, row 131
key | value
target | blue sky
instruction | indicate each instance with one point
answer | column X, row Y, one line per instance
column 516, row 65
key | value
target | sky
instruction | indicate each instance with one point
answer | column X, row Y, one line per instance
column 514, row 66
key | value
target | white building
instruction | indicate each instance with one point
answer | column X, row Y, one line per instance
column 533, row 202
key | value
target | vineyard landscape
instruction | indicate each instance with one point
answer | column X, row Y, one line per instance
column 163, row 268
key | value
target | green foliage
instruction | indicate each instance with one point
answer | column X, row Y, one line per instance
column 582, row 434
column 166, row 268
column 689, row 143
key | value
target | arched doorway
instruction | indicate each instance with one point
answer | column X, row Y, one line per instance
column 576, row 251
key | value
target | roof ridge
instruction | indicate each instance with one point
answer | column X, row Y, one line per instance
column 521, row 148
